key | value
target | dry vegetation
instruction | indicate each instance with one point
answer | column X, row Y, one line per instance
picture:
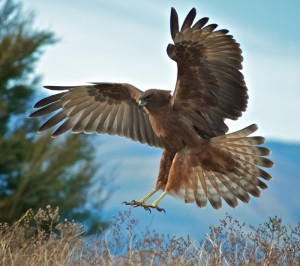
column 41, row 239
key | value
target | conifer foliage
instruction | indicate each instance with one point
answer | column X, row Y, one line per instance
column 36, row 170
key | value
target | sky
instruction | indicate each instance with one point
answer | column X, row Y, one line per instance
column 125, row 41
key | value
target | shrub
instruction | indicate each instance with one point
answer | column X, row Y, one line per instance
column 42, row 239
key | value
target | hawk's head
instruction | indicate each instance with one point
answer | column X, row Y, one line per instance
column 153, row 99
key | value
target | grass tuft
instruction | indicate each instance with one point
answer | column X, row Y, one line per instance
column 42, row 239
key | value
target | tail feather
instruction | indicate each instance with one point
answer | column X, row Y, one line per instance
column 244, row 184
column 213, row 190
column 231, row 170
column 226, row 191
column 249, row 150
column 238, row 189
column 234, row 189
column 262, row 173
column 237, row 134
column 251, row 175
column 246, row 141
column 251, row 160
column 200, row 189
column 248, row 156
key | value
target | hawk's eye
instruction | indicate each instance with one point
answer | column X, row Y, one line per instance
column 147, row 98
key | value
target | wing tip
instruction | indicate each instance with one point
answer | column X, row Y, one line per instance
column 174, row 23
column 57, row 88
column 38, row 104
column 187, row 23
column 193, row 12
column 31, row 115
column 253, row 127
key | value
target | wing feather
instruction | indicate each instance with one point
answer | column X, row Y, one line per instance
column 50, row 99
column 102, row 124
column 47, row 109
column 189, row 20
column 174, row 23
column 54, row 120
column 67, row 124
column 112, row 120
column 91, row 126
column 83, row 120
column 98, row 108
column 209, row 83
column 200, row 23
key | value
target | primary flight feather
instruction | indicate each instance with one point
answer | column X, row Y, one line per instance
column 200, row 162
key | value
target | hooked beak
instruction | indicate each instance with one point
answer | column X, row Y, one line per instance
column 141, row 104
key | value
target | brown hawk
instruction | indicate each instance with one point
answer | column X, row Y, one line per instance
column 200, row 161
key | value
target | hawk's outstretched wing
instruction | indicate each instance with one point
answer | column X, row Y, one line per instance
column 210, row 86
column 98, row 108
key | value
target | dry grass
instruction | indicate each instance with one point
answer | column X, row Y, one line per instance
column 41, row 239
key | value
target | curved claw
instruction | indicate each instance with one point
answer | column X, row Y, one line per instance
column 132, row 203
column 160, row 209
column 147, row 207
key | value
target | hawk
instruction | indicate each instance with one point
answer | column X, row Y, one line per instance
column 199, row 162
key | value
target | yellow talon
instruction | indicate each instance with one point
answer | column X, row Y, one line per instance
column 148, row 207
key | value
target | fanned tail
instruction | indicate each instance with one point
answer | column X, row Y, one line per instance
column 228, row 167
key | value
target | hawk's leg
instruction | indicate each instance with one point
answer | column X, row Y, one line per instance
column 148, row 207
column 140, row 202
column 149, row 195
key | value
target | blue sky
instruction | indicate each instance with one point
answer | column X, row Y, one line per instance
column 125, row 41
column 137, row 167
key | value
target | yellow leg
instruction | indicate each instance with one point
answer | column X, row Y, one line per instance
column 147, row 207
column 155, row 203
column 142, row 200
